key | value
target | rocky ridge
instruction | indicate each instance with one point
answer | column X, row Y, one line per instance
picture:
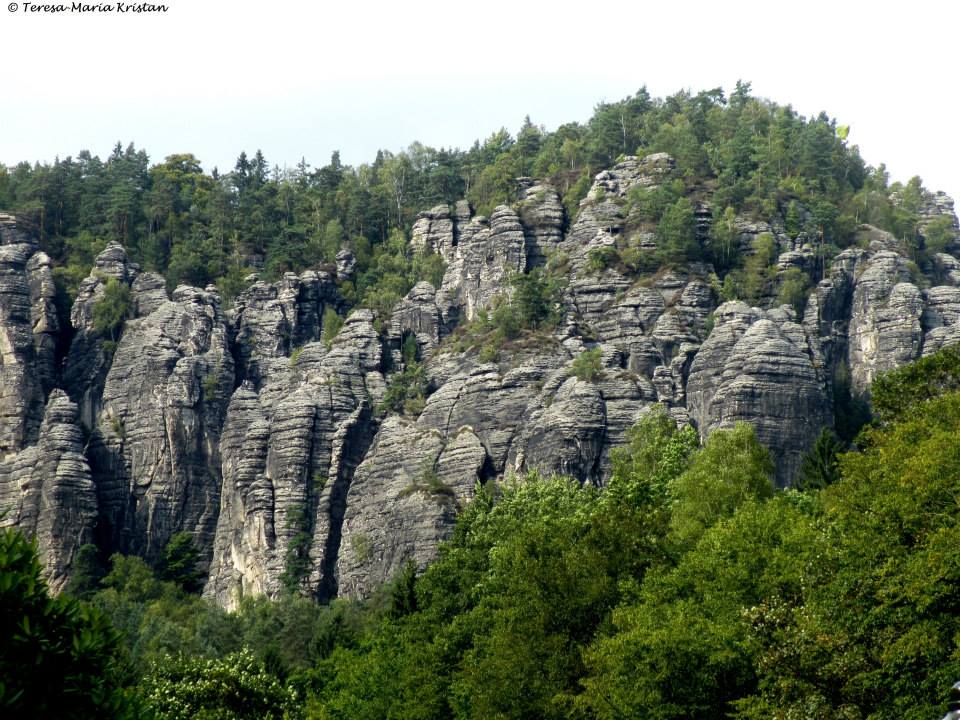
column 264, row 437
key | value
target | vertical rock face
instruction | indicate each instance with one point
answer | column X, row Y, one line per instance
column 758, row 368
column 46, row 489
column 270, row 319
column 433, row 231
column 885, row 327
column 541, row 214
column 935, row 206
column 564, row 436
column 768, row 378
column 289, row 452
column 404, row 495
column 156, row 455
column 25, row 364
column 403, row 501
column 273, row 448
column 88, row 362
column 44, row 322
column 486, row 254
column 598, row 228
column 29, row 332
column 417, row 315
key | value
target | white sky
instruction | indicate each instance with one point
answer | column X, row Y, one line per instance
column 214, row 77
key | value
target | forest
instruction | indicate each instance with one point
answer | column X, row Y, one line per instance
column 686, row 585
column 749, row 155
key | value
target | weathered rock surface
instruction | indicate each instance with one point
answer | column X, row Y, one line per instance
column 46, row 489
column 270, row 319
column 156, row 455
column 272, row 448
column 289, row 453
column 346, row 264
column 417, row 315
column 486, row 254
column 947, row 267
column 884, row 330
column 541, row 214
column 403, row 501
column 758, row 368
column 648, row 171
column 27, row 343
column 433, row 232
column 88, row 360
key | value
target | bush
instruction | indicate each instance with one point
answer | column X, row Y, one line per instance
column 331, row 325
column 794, row 289
column 59, row 658
column 587, row 365
column 179, row 565
column 233, row 688
column 297, row 560
column 899, row 391
column 112, row 309
column 676, row 239
column 820, row 466
column 599, row 259
column 535, row 299
column 406, row 391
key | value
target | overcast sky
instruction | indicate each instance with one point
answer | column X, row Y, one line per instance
column 214, row 77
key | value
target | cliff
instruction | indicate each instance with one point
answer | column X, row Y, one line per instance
column 267, row 438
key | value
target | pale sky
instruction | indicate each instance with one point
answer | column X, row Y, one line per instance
column 214, row 77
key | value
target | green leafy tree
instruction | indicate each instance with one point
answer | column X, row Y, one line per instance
column 679, row 647
column 587, row 365
column 733, row 467
column 112, row 309
column 86, row 572
column 332, row 323
column 939, row 233
column 724, row 239
column 898, row 393
column 535, row 298
column 794, row 290
column 179, row 564
column 676, row 239
column 820, row 464
column 233, row 688
column 58, row 657
column 297, row 560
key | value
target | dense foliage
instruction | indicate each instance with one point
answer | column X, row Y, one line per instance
column 58, row 657
column 686, row 586
column 748, row 155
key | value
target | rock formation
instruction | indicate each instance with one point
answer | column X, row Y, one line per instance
column 289, row 453
column 155, row 451
column 266, row 437
column 46, row 489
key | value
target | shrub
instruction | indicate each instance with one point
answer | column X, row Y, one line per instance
column 59, row 658
column 179, row 565
column 297, row 560
column 794, row 289
column 238, row 686
column 599, row 259
column 331, row 325
column 899, row 391
column 112, row 309
column 406, row 391
column 587, row 365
